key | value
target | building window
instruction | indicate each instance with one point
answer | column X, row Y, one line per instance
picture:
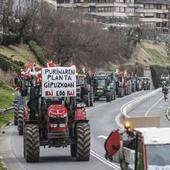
column 165, row 15
column 164, row 24
column 158, row 24
column 123, row 1
column 130, row 10
column 148, row 6
column 158, row 6
column 130, row 1
column 158, row 15
column 120, row 9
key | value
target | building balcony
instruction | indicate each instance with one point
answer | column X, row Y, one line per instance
column 104, row 5
column 153, row 20
column 104, row 14
column 140, row 10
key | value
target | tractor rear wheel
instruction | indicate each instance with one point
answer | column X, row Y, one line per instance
column 83, row 142
column 31, row 143
column 20, row 120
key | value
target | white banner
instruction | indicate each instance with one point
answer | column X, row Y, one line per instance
column 59, row 81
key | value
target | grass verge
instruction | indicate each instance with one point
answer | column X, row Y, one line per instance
column 6, row 99
column 6, row 118
column 2, row 167
column 157, row 57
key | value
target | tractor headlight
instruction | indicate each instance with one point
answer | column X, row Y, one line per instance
column 53, row 125
column 127, row 125
column 62, row 125
column 99, row 90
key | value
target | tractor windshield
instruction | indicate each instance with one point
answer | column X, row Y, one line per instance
column 158, row 157
column 101, row 83
column 80, row 81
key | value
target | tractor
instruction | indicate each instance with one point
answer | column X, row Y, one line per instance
column 52, row 117
column 22, row 83
column 120, row 90
column 140, row 148
column 104, row 83
column 19, row 101
column 84, row 90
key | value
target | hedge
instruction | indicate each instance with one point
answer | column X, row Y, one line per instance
column 38, row 52
column 7, row 39
column 7, row 64
column 156, row 72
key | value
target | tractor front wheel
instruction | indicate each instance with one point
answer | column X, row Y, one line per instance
column 108, row 97
column 20, row 120
column 31, row 143
column 83, row 142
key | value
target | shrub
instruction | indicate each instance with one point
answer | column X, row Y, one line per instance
column 7, row 64
column 38, row 52
column 7, row 39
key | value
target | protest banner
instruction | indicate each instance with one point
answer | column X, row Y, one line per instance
column 59, row 81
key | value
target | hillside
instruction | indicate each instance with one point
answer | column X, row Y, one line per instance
column 145, row 53
column 19, row 53
column 14, row 53
column 149, row 53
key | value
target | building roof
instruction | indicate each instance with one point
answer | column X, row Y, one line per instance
column 155, row 135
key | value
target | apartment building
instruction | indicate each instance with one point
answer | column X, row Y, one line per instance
column 154, row 14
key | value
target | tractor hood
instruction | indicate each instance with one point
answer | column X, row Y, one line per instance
column 57, row 110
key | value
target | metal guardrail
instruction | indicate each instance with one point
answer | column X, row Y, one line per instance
column 4, row 111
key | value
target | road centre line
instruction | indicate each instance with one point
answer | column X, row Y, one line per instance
column 94, row 154
column 147, row 112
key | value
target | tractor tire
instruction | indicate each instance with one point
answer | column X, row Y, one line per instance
column 91, row 97
column 73, row 150
column 108, row 97
column 20, row 120
column 31, row 143
column 86, row 100
column 15, row 114
column 83, row 142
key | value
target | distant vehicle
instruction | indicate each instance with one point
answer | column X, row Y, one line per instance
column 146, row 83
column 104, row 85
column 84, row 89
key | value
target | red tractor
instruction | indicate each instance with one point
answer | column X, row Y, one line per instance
column 120, row 84
column 55, row 121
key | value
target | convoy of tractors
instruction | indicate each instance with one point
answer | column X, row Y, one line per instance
column 49, row 107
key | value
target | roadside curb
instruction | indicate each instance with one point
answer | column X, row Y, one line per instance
column 126, row 108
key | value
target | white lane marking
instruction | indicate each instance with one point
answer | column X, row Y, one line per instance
column 147, row 112
column 102, row 136
column 96, row 107
column 100, row 105
column 113, row 165
column 117, row 120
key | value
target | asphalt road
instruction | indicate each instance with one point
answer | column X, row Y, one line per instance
column 102, row 120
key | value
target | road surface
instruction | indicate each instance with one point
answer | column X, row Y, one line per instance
column 102, row 120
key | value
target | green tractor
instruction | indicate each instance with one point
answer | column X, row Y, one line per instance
column 104, row 85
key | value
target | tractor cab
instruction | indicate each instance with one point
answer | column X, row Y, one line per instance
column 140, row 147
column 84, row 90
